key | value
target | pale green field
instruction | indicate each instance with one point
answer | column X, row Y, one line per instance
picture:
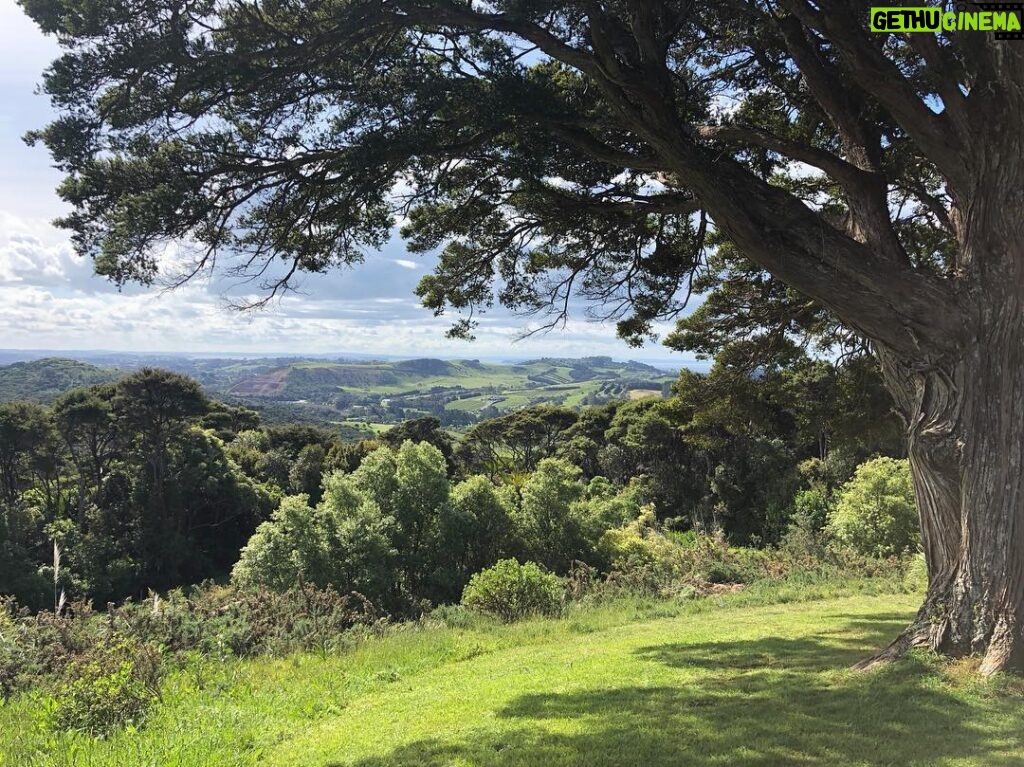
column 553, row 384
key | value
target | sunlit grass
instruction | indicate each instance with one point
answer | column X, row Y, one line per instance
column 735, row 680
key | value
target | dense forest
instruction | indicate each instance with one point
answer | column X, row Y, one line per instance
column 146, row 484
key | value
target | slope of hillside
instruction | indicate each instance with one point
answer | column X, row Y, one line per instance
column 718, row 682
column 366, row 395
column 46, row 379
column 456, row 391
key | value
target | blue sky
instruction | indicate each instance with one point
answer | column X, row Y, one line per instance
column 49, row 299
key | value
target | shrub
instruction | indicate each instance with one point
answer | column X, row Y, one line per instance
column 875, row 514
column 14, row 655
column 47, row 651
column 644, row 560
column 344, row 542
column 640, row 545
column 726, row 572
column 222, row 621
column 811, row 506
column 111, row 685
column 38, row 647
column 512, row 591
column 605, row 507
column 454, row 616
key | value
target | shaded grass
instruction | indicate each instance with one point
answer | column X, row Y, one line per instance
column 733, row 680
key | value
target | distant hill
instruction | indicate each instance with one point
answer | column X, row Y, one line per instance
column 372, row 394
column 46, row 379
column 597, row 363
column 365, row 395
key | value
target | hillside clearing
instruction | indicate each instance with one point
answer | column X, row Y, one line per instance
column 718, row 682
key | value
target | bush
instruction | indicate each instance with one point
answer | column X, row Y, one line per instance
column 344, row 543
column 220, row 621
column 811, row 506
column 47, row 651
column 512, row 591
column 640, row 545
column 548, row 519
column 875, row 515
column 112, row 685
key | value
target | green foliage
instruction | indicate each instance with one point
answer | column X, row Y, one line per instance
column 875, row 514
column 421, row 491
column 46, row 379
column 420, row 430
column 646, row 444
column 283, row 549
column 513, row 591
column 28, row 449
column 69, row 652
column 343, row 542
column 548, row 520
column 306, row 474
column 124, row 477
column 484, row 520
column 516, row 441
column 812, row 506
column 377, row 477
column 111, row 685
column 804, row 538
column 605, row 506
column 218, row 621
column 639, row 548
column 643, row 559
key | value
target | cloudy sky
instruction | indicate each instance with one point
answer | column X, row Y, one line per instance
column 49, row 299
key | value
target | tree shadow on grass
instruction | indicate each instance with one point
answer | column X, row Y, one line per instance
column 839, row 647
column 758, row 703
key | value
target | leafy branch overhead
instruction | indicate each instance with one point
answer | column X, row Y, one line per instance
column 553, row 151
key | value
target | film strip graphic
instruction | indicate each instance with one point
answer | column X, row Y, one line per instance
column 1017, row 8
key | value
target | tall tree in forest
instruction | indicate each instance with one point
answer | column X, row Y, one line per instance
column 27, row 447
column 589, row 148
column 153, row 408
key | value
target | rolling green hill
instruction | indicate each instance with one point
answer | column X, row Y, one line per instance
column 322, row 379
column 456, row 391
column 366, row 395
column 46, row 379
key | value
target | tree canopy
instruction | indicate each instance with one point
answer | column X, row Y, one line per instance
column 550, row 149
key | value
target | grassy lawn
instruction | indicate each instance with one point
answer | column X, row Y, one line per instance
column 728, row 681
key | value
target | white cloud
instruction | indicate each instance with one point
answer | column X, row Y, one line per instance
column 32, row 252
column 50, row 298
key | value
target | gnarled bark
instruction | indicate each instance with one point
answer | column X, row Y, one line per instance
column 965, row 429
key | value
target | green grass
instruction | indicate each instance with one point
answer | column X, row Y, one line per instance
column 728, row 681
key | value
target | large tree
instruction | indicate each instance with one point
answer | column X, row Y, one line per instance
column 589, row 148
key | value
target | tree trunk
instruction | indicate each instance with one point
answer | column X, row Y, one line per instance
column 965, row 427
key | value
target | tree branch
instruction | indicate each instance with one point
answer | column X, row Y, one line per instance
column 879, row 76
